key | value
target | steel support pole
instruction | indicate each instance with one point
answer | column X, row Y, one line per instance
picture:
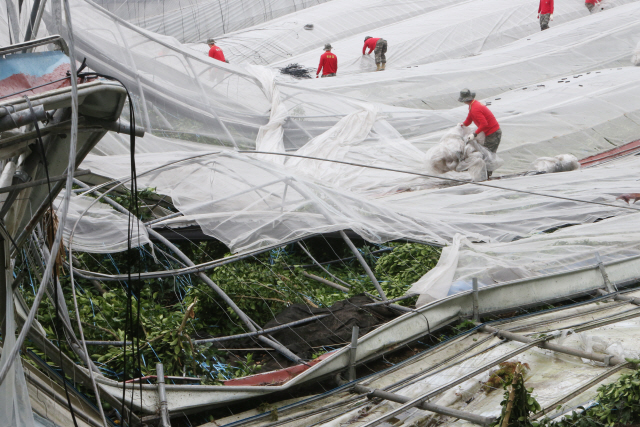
column 352, row 352
column 162, row 396
column 3, row 287
column 476, row 304
column 325, row 281
column 442, row 410
column 603, row 271
column 602, row 358
column 337, row 279
column 363, row 263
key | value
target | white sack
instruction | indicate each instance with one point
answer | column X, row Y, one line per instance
column 559, row 163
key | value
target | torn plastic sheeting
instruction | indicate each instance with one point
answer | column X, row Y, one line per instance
column 249, row 204
column 436, row 283
column 270, row 136
column 564, row 250
column 602, row 40
column 186, row 96
column 240, row 216
column 362, row 137
column 98, row 228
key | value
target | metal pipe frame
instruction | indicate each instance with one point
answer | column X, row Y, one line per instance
column 262, row 332
column 607, row 360
column 162, row 396
column 438, row 409
column 364, row 264
column 22, row 118
column 325, row 282
column 337, row 279
column 41, row 181
column 420, row 399
column 18, row 47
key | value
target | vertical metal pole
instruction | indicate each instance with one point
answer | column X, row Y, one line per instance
column 14, row 21
column 162, row 396
column 476, row 313
column 605, row 276
column 364, row 264
column 352, row 352
column 3, row 289
column 34, row 20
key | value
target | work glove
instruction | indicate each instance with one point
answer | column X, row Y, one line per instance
column 317, row 76
column 538, row 16
column 470, row 138
column 461, row 125
column 551, row 17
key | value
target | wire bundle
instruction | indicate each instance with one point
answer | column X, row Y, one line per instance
column 297, row 71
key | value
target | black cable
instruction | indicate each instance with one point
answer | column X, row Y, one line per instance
column 129, row 321
column 51, row 232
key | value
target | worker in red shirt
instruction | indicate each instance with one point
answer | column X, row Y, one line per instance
column 379, row 46
column 328, row 63
column 545, row 13
column 214, row 51
column 484, row 119
column 591, row 4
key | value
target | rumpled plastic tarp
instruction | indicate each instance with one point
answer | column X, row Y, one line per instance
column 98, row 228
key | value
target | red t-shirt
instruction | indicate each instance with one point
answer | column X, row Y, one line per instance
column 592, row 1
column 328, row 63
column 216, row 53
column 371, row 44
column 483, row 118
column 546, row 6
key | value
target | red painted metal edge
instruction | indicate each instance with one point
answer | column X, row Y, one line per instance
column 611, row 154
column 278, row 377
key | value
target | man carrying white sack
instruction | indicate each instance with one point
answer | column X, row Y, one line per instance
column 484, row 119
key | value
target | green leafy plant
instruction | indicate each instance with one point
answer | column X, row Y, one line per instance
column 318, row 353
column 518, row 404
column 402, row 267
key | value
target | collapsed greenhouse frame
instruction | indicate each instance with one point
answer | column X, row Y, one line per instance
column 619, row 267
